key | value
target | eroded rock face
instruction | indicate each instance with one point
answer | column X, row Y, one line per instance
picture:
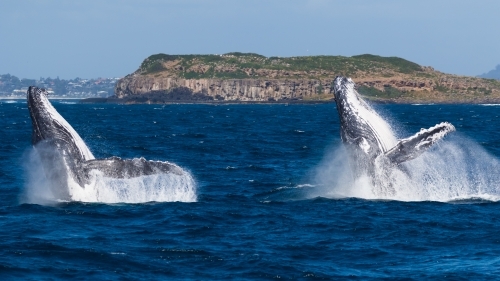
column 294, row 89
column 255, row 78
column 229, row 89
column 439, row 87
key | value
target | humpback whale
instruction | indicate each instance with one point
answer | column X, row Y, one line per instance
column 369, row 139
column 65, row 157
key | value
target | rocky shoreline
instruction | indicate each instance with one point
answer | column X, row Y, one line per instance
column 112, row 100
column 252, row 78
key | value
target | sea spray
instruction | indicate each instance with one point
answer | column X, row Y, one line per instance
column 44, row 190
column 455, row 169
column 37, row 187
column 159, row 188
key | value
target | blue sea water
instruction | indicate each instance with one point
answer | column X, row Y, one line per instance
column 271, row 198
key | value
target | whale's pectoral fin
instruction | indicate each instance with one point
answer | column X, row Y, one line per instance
column 115, row 167
column 409, row 148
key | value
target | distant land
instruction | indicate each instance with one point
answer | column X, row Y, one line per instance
column 78, row 88
column 252, row 78
column 492, row 74
column 249, row 78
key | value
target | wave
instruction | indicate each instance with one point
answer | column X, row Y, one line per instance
column 66, row 102
column 290, row 193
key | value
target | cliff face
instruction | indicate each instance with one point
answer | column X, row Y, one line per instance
column 251, row 77
column 230, row 89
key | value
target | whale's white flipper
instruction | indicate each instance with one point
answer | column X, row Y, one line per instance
column 409, row 148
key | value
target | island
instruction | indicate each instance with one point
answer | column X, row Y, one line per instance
column 253, row 78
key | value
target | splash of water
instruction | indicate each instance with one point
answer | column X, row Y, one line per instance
column 455, row 169
column 38, row 188
column 159, row 188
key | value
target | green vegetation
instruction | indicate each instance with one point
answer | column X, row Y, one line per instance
column 154, row 63
column 370, row 91
column 402, row 65
column 210, row 73
column 484, row 91
column 441, row 88
column 392, row 92
column 319, row 89
column 156, row 66
column 236, row 65
column 238, row 54
column 388, row 92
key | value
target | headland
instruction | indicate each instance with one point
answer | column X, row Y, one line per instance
column 253, row 78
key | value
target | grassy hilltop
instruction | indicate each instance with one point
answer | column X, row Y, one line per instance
column 247, row 65
column 379, row 78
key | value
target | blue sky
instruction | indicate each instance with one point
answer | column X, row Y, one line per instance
column 88, row 39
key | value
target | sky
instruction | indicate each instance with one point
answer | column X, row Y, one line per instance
column 110, row 38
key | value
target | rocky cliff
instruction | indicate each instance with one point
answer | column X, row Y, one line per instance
column 241, row 77
column 230, row 89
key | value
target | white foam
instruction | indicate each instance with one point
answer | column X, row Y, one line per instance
column 457, row 169
column 159, row 188
column 37, row 189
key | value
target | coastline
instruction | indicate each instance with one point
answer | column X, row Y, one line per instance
column 211, row 102
column 50, row 98
column 304, row 102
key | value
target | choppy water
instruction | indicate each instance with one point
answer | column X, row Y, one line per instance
column 272, row 198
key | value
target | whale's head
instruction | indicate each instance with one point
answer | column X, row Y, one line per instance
column 40, row 111
column 360, row 126
column 50, row 126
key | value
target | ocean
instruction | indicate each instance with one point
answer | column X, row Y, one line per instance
column 270, row 198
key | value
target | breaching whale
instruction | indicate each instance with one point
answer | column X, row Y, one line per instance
column 369, row 139
column 65, row 157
